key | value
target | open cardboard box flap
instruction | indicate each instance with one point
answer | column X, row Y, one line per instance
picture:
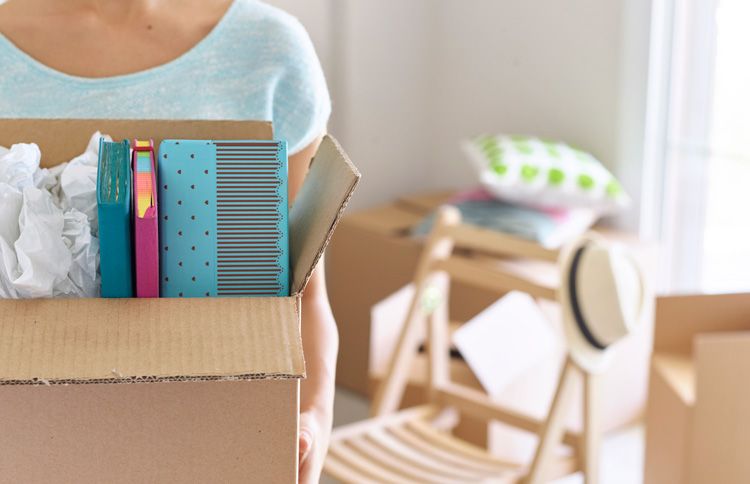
column 98, row 340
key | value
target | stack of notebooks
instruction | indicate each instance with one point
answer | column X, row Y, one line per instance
column 550, row 228
column 219, row 228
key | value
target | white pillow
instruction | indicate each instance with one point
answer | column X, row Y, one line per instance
column 533, row 172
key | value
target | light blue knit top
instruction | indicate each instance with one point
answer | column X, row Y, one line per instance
column 258, row 63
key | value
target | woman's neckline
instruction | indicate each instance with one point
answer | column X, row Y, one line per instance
column 129, row 77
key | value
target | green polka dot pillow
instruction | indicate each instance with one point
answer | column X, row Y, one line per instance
column 531, row 171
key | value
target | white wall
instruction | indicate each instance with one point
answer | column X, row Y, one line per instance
column 381, row 94
column 410, row 78
column 533, row 67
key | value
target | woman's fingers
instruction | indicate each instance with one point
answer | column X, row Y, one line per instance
column 312, row 448
column 305, row 444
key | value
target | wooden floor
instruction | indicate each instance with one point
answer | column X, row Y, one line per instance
column 622, row 453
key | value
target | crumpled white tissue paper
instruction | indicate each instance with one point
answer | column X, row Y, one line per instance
column 48, row 225
column 78, row 182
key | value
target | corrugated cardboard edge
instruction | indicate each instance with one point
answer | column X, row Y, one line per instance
column 79, row 341
column 148, row 379
column 329, row 147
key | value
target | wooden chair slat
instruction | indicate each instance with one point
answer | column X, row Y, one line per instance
column 345, row 473
column 473, row 402
column 418, row 457
column 475, row 274
column 498, row 244
column 396, row 463
column 423, row 412
column 452, row 444
column 362, row 464
column 413, row 439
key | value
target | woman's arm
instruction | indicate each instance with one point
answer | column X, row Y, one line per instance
column 321, row 344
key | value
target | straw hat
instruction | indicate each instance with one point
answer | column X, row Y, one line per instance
column 602, row 296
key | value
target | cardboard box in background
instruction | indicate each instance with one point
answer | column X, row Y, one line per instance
column 161, row 390
column 698, row 418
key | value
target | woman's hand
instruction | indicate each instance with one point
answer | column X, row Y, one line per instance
column 320, row 341
column 314, row 434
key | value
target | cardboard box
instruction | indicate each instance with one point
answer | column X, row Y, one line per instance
column 698, row 416
column 161, row 390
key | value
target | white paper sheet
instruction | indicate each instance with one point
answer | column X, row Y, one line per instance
column 504, row 340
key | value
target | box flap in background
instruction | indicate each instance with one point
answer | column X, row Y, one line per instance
column 318, row 207
column 61, row 140
column 122, row 341
column 679, row 319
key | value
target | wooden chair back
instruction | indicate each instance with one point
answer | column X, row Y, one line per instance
column 443, row 260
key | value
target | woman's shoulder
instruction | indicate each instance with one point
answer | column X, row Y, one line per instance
column 274, row 26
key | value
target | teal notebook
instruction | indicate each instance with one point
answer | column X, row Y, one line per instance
column 114, row 200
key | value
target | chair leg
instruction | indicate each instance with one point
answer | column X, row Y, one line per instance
column 389, row 393
column 591, row 438
column 552, row 431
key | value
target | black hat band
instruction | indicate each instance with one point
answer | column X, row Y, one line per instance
column 575, row 307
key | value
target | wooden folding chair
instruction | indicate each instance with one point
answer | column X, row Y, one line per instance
column 411, row 445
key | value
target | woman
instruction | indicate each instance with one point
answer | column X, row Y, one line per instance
column 182, row 59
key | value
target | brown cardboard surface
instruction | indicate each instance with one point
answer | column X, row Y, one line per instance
column 390, row 220
column 681, row 318
column 173, row 339
column 668, row 421
column 425, row 202
column 318, row 207
column 60, row 140
column 721, row 417
column 697, row 419
column 677, row 371
column 233, row 432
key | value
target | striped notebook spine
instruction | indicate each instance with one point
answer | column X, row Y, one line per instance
column 250, row 210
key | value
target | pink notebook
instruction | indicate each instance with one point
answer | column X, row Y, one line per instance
column 145, row 215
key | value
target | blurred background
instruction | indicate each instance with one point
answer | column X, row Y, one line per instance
column 655, row 89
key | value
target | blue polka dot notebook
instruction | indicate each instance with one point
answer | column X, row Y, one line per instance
column 223, row 209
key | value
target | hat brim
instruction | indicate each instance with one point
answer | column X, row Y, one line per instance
column 586, row 356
